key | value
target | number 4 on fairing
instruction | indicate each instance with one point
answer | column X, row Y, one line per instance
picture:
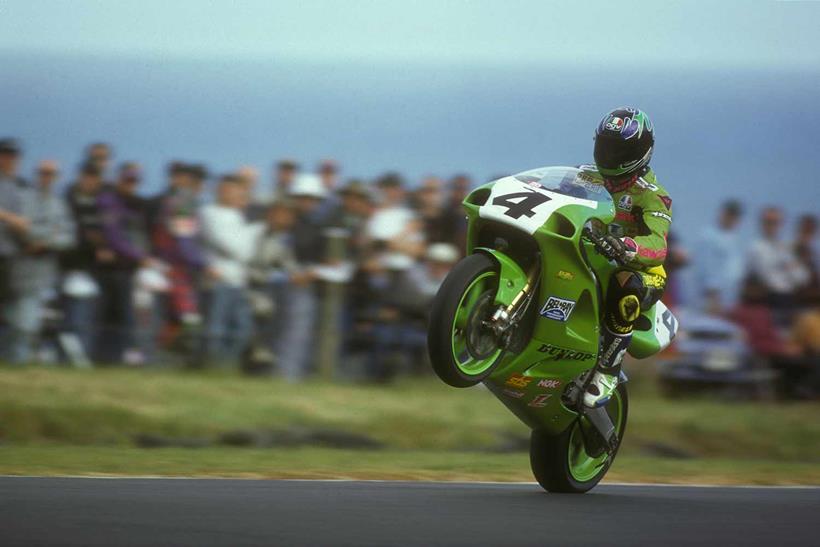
column 525, row 207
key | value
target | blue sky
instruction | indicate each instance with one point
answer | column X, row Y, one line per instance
column 736, row 33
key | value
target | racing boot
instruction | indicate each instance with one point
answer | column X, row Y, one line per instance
column 607, row 370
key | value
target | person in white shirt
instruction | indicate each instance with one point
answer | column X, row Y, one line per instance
column 395, row 233
column 773, row 262
column 230, row 243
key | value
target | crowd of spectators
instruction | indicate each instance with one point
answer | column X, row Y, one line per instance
column 217, row 271
column 770, row 288
column 212, row 271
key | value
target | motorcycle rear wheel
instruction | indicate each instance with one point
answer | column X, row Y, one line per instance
column 563, row 463
column 462, row 350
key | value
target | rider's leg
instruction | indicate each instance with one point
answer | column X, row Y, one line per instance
column 629, row 292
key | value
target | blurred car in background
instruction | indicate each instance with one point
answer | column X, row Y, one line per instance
column 711, row 355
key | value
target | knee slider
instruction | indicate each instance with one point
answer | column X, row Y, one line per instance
column 629, row 308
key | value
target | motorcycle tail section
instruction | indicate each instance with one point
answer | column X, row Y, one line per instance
column 654, row 331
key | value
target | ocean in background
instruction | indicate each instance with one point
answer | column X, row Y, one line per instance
column 721, row 133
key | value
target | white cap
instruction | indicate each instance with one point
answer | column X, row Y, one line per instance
column 308, row 184
column 442, row 252
column 152, row 279
column 388, row 223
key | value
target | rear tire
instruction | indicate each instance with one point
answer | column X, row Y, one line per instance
column 551, row 456
column 467, row 287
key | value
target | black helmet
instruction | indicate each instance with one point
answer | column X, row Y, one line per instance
column 623, row 143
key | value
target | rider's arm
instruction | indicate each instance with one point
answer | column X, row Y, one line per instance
column 657, row 217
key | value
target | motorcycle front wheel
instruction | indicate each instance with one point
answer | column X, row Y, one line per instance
column 574, row 461
column 462, row 349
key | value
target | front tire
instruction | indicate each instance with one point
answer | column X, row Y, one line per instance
column 462, row 351
column 563, row 463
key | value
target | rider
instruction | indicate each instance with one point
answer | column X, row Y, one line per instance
column 624, row 140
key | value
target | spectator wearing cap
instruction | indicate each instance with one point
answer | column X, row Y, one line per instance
column 79, row 288
column 301, row 300
column 719, row 261
column 34, row 272
column 230, row 242
column 126, row 248
column 307, row 194
column 283, row 176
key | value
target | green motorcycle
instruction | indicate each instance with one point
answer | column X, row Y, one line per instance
column 521, row 313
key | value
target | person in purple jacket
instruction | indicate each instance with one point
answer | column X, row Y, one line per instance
column 125, row 232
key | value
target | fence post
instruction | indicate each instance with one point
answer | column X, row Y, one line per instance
column 332, row 299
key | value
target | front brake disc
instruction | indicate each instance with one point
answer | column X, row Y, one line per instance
column 481, row 340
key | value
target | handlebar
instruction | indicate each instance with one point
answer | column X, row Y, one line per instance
column 588, row 233
column 600, row 243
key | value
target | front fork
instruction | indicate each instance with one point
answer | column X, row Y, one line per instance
column 506, row 318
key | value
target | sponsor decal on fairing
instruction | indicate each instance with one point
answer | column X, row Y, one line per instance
column 564, row 354
column 557, row 309
column 518, row 380
column 540, row 401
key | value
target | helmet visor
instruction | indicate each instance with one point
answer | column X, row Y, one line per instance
column 615, row 156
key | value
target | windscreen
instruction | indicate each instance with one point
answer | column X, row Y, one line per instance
column 569, row 181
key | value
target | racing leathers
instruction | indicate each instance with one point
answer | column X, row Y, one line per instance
column 644, row 212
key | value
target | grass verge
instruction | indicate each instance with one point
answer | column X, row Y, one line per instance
column 58, row 421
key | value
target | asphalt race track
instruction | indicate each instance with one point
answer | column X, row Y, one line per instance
column 111, row 512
